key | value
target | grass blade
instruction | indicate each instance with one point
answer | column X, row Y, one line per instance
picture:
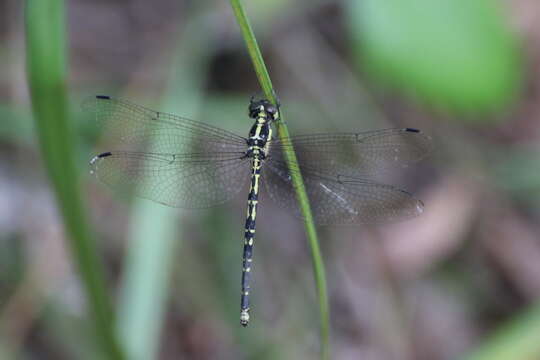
column 47, row 76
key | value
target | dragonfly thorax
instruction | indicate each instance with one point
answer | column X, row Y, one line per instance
column 259, row 138
column 260, row 134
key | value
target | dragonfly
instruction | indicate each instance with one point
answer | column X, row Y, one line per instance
column 184, row 163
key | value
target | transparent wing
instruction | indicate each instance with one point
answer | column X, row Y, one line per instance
column 356, row 154
column 337, row 171
column 159, row 132
column 341, row 200
column 196, row 180
column 167, row 158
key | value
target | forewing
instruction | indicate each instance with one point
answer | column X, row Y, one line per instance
column 355, row 154
column 143, row 129
column 187, row 181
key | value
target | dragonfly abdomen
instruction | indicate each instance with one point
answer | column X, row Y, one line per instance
column 249, row 236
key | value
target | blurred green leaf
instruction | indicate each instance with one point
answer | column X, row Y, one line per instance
column 519, row 339
column 458, row 55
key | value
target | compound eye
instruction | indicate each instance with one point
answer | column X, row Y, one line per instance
column 252, row 111
column 271, row 109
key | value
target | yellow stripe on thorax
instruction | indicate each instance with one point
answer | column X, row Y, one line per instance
column 261, row 120
column 268, row 141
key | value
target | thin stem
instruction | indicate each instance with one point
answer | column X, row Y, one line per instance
column 298, row 183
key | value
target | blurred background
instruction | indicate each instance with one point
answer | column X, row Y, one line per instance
column 462, row 281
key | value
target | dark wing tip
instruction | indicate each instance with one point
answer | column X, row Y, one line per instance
column 421, row 141
column 411, row 130
column 100, row 156
column 95, row 160
column 92, row 103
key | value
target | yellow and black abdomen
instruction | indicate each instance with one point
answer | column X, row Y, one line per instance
column 249, row 236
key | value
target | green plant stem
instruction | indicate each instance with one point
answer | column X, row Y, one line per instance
column 46, row 67
column 292, row 163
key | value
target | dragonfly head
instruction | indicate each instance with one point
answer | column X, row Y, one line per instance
column 263, row 107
